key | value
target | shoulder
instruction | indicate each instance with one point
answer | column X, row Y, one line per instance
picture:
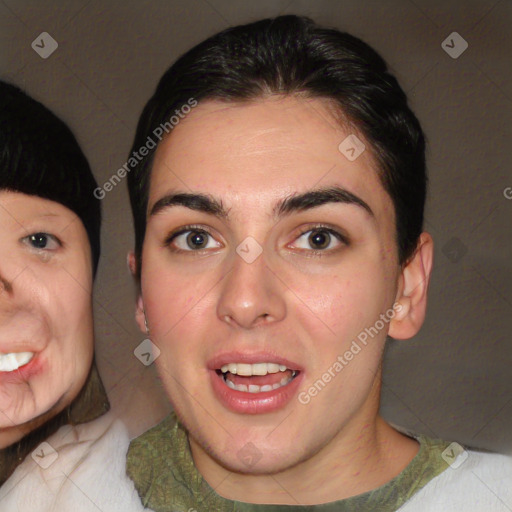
column 474, row 480
column 166, row 429
column 153, row 453
column 78, row 468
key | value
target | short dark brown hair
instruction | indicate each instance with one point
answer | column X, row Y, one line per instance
column 292, row 55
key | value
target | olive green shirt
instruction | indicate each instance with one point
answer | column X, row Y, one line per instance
column 161, row 466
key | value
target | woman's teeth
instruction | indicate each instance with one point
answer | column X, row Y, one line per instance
column 14, row 360
column 256, row 369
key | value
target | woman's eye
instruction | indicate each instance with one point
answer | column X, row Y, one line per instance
column 193, row 240
column 319, row 239
column 42, row 241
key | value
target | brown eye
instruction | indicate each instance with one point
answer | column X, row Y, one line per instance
column 197, row 240
column 319, row 239
column 190, row 240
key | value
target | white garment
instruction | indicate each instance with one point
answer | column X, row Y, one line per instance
column 89, row 476
column 89, row 473
column 482, row 483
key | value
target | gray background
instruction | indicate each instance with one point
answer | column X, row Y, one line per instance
column 453, row 380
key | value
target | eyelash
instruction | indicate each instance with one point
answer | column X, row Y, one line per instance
column 182, row 230
column 325, row 228
column 312, row 252
column 26, row 240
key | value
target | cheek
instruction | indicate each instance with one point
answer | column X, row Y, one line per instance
column 71, row 316
column 341, row 303
column 70, row 350
column 175, row 301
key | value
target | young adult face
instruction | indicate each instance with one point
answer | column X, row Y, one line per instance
column 326, row 272
column 46, row 327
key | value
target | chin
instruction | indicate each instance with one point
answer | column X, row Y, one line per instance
column 256, row 457
column 13, row 416
column 252, row 462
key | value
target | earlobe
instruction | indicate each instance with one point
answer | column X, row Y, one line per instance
column 412, row 291
column 131, row 262
column 140, row 315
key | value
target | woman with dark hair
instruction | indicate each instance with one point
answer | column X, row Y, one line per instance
column 50, row 389
column 50, row 239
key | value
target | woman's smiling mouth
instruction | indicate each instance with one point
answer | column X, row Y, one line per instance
column 19, row 367
column 14, row 360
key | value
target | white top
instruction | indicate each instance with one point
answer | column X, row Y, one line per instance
column 475, row 482
column 78, row 469
column 82, row 469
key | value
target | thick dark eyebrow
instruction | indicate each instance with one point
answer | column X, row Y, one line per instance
column 299, row 202
column 319, row 197
column 197, row 202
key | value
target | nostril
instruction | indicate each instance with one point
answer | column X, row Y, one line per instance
column 5, row 285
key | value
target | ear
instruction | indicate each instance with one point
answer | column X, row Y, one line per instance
column 140, row 316
column 411, row 298
column 131, row 261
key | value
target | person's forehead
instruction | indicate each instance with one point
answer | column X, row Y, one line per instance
column 261, row 127
column 18, row 210
column 267, row 148
column 33, row 204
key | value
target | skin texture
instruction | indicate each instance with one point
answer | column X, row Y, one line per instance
column 45, row 307
column 292, row 302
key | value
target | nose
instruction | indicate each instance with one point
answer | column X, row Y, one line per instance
column 251, row 295
column 5, row 285
column 10, row 270
column 6, row 297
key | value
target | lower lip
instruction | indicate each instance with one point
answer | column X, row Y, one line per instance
column 23, row 373
column 254, row 403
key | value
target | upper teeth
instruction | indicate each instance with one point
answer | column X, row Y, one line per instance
column 13, row 360
column 253, row 369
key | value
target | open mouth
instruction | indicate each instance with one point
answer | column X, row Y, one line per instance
column 14, row 360
column 256, row 377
